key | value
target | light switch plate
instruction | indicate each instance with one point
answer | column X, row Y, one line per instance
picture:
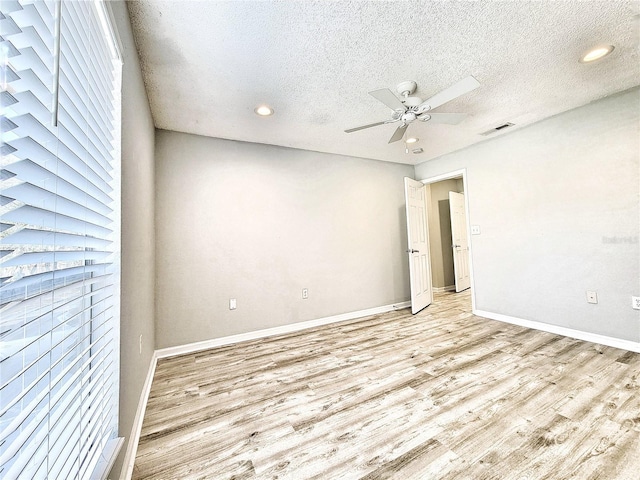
column 592, row 297
column 232, row 304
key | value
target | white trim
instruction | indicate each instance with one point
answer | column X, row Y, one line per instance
column 445, row 176
column 564, row 331
column 107, row 458
column 448, row 288
column 134, row 437
column 116, row 41
column 448, row 176
column 268, row 332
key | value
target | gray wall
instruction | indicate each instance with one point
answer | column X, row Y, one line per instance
column 558, row 206
column 440, row 242
column 259, row 223
column 138, row 277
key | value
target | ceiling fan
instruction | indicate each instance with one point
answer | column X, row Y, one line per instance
column 409, row 109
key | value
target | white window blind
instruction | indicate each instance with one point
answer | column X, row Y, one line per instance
column 59, row 240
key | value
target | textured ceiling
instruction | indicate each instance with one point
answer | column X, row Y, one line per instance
column 208, row 64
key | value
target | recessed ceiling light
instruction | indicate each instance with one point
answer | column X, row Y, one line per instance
column 596, row 53
column 412, row 140
column 263, row 110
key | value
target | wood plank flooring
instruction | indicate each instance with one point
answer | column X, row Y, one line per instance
column 439, row 395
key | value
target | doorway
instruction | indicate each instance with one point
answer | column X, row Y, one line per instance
column 447, row 270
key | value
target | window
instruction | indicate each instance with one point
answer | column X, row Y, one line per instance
column 59, row 240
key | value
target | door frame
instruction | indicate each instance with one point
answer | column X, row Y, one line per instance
column 448, row 176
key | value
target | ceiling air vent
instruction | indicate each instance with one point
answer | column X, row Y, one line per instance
column 497, row 129
column 417, row 150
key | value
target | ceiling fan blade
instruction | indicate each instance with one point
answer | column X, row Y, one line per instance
column 454, row 91
column 364, row 126
column 446, row 118
column 399, row 133
column 387, row 97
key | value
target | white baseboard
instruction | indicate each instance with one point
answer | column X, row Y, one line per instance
column 564, row 331
column 448, row 288
column 268, row 332
column 132, row 446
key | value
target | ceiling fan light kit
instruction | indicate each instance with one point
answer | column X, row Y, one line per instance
column 408, row 108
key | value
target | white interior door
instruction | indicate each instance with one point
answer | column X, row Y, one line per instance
column 460, row 241
column 419, row 260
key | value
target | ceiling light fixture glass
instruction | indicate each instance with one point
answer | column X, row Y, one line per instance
column 263, row 110
column 412, row 140
column 596, row 53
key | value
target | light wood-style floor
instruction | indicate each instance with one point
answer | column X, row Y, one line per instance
column 439, row 395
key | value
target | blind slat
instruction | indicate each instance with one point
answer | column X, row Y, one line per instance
column 45, row 136
column 100, row 133
column 28, row 236
column 28, row 149
column 18, row 337
column 17, row 374
column 29, row 258
column 36, row 16
column 46, row 199
column 36, row 175
column 28, row 81
column 48, row 219
column 40, row 283
column 28, row 103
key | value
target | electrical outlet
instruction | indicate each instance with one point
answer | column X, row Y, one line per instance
column 140, row 345
column 592, row 297
column 232, row 304
column 475, row 229
column 305, row 293
column 635, row 303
